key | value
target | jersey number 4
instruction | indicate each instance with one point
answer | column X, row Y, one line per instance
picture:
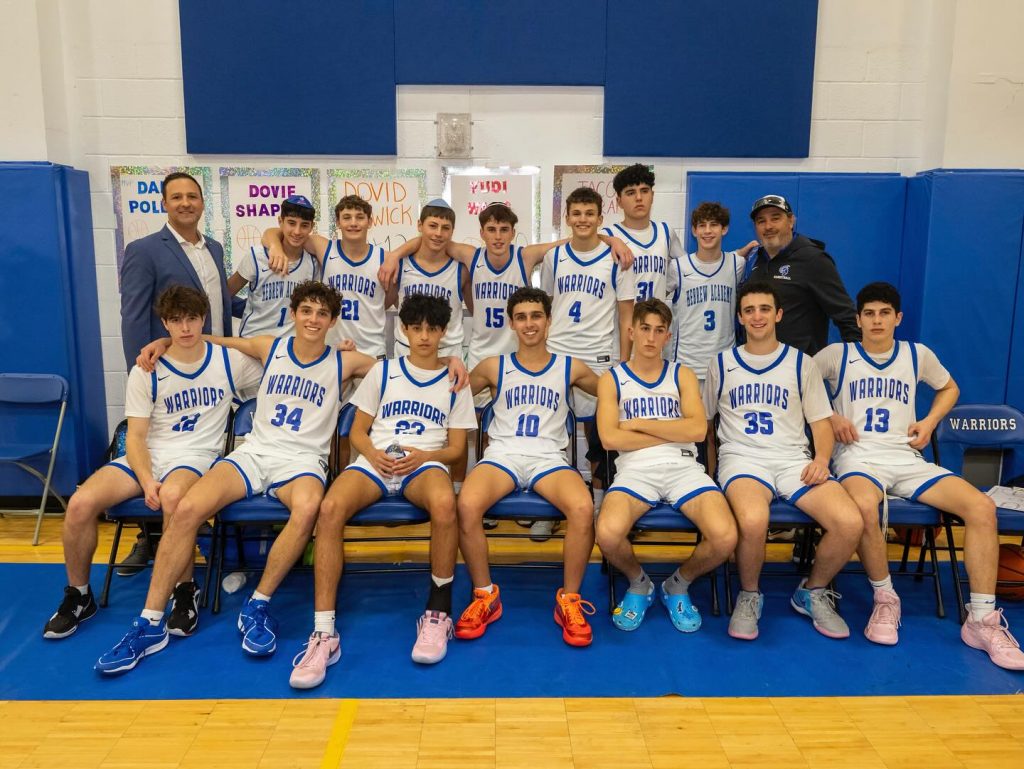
column 574, row 311
column 282, row 417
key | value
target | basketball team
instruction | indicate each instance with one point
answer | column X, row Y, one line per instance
column 628, row 335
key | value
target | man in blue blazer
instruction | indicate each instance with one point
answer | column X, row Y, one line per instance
column 177, row 254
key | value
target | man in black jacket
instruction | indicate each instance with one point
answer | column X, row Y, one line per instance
column 805, row 277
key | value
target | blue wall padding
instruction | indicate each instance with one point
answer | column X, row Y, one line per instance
column 296, row 78
column 704, row 78
column 696, row 79
column 1015, row 372
column 736, row 191
column 970, row 278
column 50, row 322
column 527, row 42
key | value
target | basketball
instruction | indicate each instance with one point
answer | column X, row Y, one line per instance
column 1011, row 569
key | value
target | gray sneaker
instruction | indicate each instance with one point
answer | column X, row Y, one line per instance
column 746, row 613
column 820, row 606
column 541, row 531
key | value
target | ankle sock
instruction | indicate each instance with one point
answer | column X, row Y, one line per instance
column 323, row 622
column 982, row 604
column 83, row 589
column 153, row 616
column 677, row 584
column 488, row 589
column 882, row 584
column 642, row 585
column 258, row 596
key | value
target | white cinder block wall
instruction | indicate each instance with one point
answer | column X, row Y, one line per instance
column 111, row 94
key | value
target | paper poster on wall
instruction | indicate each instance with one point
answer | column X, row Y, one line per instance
column 395, row 195
column 472, row 189
column 139, row 205
column 250, row 200
column 568, row 178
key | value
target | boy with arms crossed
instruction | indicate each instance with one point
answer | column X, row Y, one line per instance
column 766, row 393
column 408, row 427
column 530, row 393
column 650, row 411
column 873, row 384
column 176, row 419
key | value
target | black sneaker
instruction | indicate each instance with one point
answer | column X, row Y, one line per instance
column 75, row 608
column 137, row 560
column 490, row 523
column 184, row 617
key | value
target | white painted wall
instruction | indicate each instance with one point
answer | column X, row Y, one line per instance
column 97, row 83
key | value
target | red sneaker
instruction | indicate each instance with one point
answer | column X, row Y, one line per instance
column 569, row 614
column 484, row 609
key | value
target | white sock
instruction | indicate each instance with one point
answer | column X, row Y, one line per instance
column 323, row 622
column 882, row 584
column 457, row 485
column 441, row 581
column 153, row 616
column 258, row 596
column 488, row 589
column 982, row 604
column 598, row 499
column 83, row 589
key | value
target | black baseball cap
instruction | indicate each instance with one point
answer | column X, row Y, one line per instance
column 773, row 201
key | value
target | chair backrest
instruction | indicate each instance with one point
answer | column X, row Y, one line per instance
column 33, row 388
column 981, row 426
column 241, row 424
column 345, row 419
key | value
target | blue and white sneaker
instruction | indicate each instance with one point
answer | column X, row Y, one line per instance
column 258, row 628
column 143, row 639
column 684, row 615
column 631, row 610
column 820, row 606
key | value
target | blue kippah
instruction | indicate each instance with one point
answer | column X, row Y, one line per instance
column 439, row 203
column 298, row 200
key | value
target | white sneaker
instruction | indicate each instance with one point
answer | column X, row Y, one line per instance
column 434, row 628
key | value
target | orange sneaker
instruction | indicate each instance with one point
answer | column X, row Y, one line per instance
column 569, row 614
column 484, row 609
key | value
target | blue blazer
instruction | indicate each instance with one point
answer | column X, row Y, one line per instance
column 152, row 264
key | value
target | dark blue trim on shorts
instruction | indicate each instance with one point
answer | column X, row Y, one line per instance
column 181, row 467
column 928, row 484
column 492, row 463
column 678, row 504
column 274, row 486
column 631, row 493
column 241, row 472
column 122, row 468
column 418, row 471
column 537, row 478
column 800, row 492
column 762, row 481
column 862, row 475
column 371, row 476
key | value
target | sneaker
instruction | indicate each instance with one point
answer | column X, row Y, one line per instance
column 184, row 617
column 309, row 668
column 74, row 609
column 631, row 610
column 142, row 640
column 885, row 619
column 569, row 614
column 490, row 523
column 484, row 609
column 745, row 614
column 992, row 635
column 258, row 628
column 820, row 606
column 684, row 615
column 541, row 531
column 433, row 629
column 138, row 559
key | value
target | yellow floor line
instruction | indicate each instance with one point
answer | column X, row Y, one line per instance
column 339, row 735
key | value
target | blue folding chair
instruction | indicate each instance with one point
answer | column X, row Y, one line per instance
column 994, row 427
column 23, row 399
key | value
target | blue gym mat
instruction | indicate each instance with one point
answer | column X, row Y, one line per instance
column 522, row 655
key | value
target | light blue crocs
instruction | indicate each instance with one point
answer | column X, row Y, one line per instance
column 681, row 611
column 631, row 609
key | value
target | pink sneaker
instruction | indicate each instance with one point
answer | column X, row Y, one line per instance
column 434, row 629
column 310, row 665
column 885, row 619
column 992, row 635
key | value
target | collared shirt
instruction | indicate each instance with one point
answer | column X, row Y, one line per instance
column 201, row 259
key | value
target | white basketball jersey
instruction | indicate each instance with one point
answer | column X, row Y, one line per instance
column 445, row 282
column 297, row 404
column 190, row 411
column 761, row 410
column 362, row 298
column 270, row 294
column 704, row 308
column 492, row 332
column 639, row 399
column 415, row 411
column 879, row 398
column 584, row 305
column 652, row 252
column 530, row 408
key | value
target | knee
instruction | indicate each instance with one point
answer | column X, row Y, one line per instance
column 580, row 512
column 723, row 539
column 442, row 511
column 187, row 515
column 469, row 509
column 170, row 498
column 303, row 517
column 850, row 525
column 332, row 513
column 82, row 510
column 751, row 526
column 868, row 509
column 982, row 513
column 609, row 533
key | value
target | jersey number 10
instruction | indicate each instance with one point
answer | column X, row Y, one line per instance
column 529, row 426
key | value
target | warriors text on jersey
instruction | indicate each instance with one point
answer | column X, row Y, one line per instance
column 764, row 401
column 530, row 407
column 492, row 333
column 585, row 289
column 411, row 405
column 444, row 282
column 704, row 308
column 266, row 309
column 297, row 404
column 878, row 395
column 654, row 251
column 640, row 399
column 362, row 298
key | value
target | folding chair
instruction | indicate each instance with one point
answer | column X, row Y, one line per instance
column 995, row 427
column 26, row 395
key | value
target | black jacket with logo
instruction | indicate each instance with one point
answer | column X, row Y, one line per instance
column 811, row 292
